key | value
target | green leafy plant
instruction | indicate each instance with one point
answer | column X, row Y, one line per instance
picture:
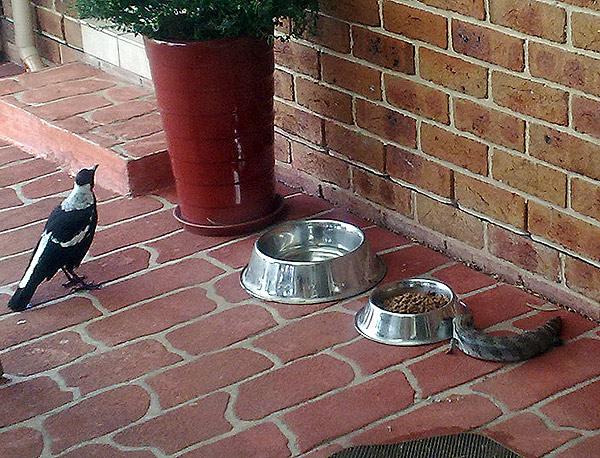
column 198, row 20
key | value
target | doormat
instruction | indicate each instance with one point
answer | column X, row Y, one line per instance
column 463, row 445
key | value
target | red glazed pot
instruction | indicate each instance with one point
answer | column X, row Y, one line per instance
column 216, row 104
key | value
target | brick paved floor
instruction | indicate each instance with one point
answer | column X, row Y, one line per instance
column 172, row 358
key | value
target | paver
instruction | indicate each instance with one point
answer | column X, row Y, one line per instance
column 199, row 368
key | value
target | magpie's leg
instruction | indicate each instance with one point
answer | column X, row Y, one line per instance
column 77, row 282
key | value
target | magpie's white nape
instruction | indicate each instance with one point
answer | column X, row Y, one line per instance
column 66, row 239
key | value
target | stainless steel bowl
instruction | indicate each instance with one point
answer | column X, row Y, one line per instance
column 376, row 323
column 311, row 261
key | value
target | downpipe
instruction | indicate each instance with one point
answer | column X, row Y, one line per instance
column 24, row 36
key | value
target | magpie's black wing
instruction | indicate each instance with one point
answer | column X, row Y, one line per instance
column 64, row 226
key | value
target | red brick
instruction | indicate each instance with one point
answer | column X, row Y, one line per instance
column 453, row 414
column 127, row 92
column 123, row 111
column 22, row 442
column 489, row 124
column 524, row 252
column 373, row 357
column 133, row 232
column 320, row 165
column 457, row 149
column 64, row 89
column 179, row 428
column 125, row 208
column 284, row 84
column 565, row 67
column 453, row 73
column 463, row 279
column 45, row 354
column 354, row 145
column 9, row 86
column 410, row 262
column 349, row 410
column 417, row 170
column 75, row 424
column 106, row 451
column 450, row 221
column 290, row 385
column 214, row 332
column 491, row 200
column 235, row 254
column 565, row 151
column 585, row 115
column 527, row 433
column 570, row 361
column 47, row 185
column 531, row 18
column 10, row 154
column 65, row 108
column 415, row 23
column 207, row 374
column 20, row 328
column 146, row 146
column 303, row 206
column 531, row 98
column 529, row 176
column 72, row 31
column 464, row 369
column 21, row 216
column 9, row 198
column 25, row 171
column 133, row 128
column 22, row 239
column 488, row 45
column 572, row 409
column 585, row 197
column 474, row 8
column 297, row 57
column 151, row 317
column 573, row 324
column 262, row 441
column 307, row 335
column 417, row 98
column 564, row 229
column 361, row 11
column 352, row 76
column 383, row 50
column 382, row 239
column 282, row 148
column 30, row 398
column 299, row 122
column 586, row 447
column 331, row 33
column 386, row 123
column 77, row 125
column 51, row 75
column 582, row 277
column 382, row 191
column 584, row 28
column 49, row 21
column 117, row 366
column 11, row 270
column 324, row 100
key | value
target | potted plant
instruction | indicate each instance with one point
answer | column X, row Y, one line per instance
column 212, row 68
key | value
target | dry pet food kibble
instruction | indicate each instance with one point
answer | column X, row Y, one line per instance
column 414, row 302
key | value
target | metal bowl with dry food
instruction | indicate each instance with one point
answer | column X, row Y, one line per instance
column 414, row 311
column 311, row 261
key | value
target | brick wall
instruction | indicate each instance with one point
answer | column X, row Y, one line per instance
column 473, row 125
column 59, row 37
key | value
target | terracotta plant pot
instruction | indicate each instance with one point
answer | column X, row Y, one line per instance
column 216, row 104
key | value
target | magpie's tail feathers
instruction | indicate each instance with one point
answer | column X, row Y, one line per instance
column 20, row 299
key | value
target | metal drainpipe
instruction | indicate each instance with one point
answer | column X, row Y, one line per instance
column 24, row 39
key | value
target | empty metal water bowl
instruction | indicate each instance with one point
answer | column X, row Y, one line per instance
column 381, row 325
column 311, row 261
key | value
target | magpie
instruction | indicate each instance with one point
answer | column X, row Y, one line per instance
column 66, row 239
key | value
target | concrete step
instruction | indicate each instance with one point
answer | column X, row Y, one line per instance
column 77, row 115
